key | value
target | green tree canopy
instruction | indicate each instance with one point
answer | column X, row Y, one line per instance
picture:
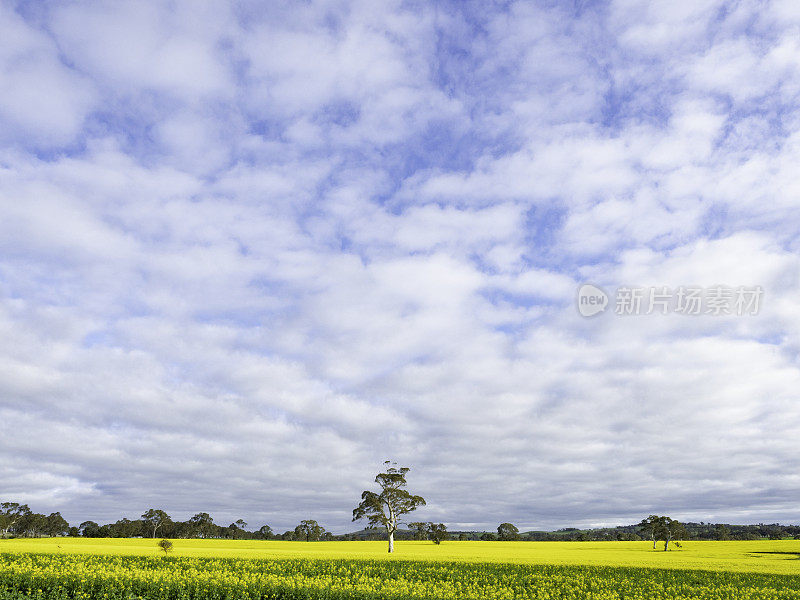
column 202, row 524
column 309, row 530
column 419, row 530
column 265, row 531
column 11, row 513
column 507, row 532
column 437, row 532
column 385, row 508
column 155, row 518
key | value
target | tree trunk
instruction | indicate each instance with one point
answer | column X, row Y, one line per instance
column 392, row 526
column 666, row 544
column 654, row 543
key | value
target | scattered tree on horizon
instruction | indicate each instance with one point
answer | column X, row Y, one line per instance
column 507, row 532
column 649, row 527
column 437, row 532
column 662, row 529
column 429, row 531
column 310, row 530
column 393, row 501
column 419, row 530
column 671, row 530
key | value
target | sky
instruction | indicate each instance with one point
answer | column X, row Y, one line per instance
column 249, row 251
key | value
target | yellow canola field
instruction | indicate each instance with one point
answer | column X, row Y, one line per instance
column 779, row 557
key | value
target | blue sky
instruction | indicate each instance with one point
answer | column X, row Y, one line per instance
column 247, row 253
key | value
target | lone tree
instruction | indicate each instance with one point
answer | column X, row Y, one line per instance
column 393, row 501
column 507, row 532
column 166, row 546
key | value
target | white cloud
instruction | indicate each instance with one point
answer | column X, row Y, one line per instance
column 43, row 101
column 139, row 45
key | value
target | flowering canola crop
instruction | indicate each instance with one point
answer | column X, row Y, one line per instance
column 37, row 576
column 757, row 556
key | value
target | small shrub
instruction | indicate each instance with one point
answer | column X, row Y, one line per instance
column 166, row 546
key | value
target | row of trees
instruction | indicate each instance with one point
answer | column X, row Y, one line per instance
column 155, row 522
column 19, row 519
column 631, row 533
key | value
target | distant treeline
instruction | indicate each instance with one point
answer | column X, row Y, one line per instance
column 694, row 531
column 18, row 520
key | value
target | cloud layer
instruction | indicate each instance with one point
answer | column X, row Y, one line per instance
column 248, row 253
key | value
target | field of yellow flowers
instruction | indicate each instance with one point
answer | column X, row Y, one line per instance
column 52, row 576
column 761, row 556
